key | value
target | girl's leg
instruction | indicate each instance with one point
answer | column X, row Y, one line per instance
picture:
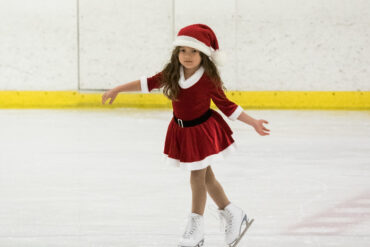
column 199, row 190
column 215, row 189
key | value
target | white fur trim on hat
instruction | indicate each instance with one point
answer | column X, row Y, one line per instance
column 192, row 42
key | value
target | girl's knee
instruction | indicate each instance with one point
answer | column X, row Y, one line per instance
column 198, row 176
column 211, row 181
column 210, row 177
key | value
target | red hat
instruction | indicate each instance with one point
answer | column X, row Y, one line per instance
column 202, row 38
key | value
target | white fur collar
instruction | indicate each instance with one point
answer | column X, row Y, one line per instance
column 184, row 84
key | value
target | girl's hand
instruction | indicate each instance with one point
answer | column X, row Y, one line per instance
column 111, row 94
column 258, row 126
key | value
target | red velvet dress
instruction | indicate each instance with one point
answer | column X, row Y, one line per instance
column 196, row 147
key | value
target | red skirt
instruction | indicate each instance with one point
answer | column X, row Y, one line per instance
column 196, row 147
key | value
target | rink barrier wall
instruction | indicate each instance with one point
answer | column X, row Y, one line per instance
column 249, row 100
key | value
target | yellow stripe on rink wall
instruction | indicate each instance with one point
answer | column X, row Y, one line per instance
column 247, row 99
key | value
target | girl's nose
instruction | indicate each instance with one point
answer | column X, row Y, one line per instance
column 189, row 54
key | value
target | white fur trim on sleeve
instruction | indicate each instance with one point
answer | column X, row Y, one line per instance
column 144, row 84
column 236, row 113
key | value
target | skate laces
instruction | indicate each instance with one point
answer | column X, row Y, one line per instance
column 224, row 216
column 215, row 212
column 228, row 220
column 191, row 226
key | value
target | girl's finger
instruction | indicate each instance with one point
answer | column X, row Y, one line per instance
column 265, row 133
column 105, row 98
column 264, row 121
column 112, row 99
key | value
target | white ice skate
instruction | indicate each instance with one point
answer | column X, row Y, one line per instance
column 194, row 232
column 237, row 223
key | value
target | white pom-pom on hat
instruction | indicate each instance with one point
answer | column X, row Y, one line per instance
column 219, row 57
column 202, row 38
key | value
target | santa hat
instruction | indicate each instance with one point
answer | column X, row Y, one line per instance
column 202, row 38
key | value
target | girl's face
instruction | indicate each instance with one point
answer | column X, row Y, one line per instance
column 189, row 57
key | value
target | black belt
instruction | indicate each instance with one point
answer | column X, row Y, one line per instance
column 193, row 122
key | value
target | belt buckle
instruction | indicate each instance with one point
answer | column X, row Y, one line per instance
column 179, row 122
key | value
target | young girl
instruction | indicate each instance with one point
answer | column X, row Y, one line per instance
column 198, row 134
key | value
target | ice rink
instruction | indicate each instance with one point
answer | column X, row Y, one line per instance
column 97, row 178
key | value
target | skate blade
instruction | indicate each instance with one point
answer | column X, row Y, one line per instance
column 248, row 224
column 200, row 244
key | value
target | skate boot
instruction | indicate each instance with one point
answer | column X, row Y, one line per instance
column 194, row 232
column 236, row 225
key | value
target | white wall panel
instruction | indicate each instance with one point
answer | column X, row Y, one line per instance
column 123, row 40
column 38, row 45
column 271, row 44
column 304, row 45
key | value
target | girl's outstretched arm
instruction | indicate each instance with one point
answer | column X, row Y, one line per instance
column 128, row 87
column 256, row 124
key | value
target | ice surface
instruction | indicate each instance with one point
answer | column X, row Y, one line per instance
column 98, row 178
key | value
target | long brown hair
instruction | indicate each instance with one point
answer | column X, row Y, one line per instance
column 171, row 74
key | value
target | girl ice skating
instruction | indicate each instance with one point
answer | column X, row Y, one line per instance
column 196, row 134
